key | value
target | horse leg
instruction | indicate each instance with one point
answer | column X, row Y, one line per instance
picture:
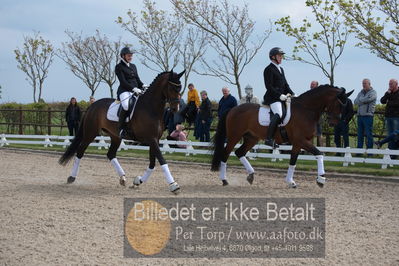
column 231, row 142
column 141, row 179
column 111, row 154
column 79, row 154
column 249, row 142
column 155, row 151
column 289, row 178
column 320, row 179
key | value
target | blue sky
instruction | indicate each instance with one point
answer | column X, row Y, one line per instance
column 52, row 18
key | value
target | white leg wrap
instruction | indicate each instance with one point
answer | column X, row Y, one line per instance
column 247, row 165
column 146, row 174
column 320, row 165
column 168, row 175
column 222, row 172
column 117, row 167
column 290, row 174
column 75, row 167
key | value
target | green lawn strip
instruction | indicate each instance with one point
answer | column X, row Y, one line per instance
column 304, row 165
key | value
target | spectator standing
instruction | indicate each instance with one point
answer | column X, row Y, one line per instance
column 91, row 100
column 391, row 99
column 314, row 84
column 342, row 128
column 227, row 102
column 205, row 117
column 72, row 116
column 365, row 100
column 193, row 103
column 249, row 96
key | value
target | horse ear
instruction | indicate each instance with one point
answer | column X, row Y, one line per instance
column 349, row 93
column 171, row 71
column 181, row 74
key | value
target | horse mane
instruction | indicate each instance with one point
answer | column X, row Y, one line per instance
column 157, row 77
column 318, row 90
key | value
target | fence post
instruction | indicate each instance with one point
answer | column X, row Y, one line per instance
column 20, row 121
column 49, row 121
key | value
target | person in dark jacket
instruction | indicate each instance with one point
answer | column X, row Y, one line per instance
column 342, row 128
column 205, row 117
column 391, row 99
column 277, row 92
column 227, row 102
column 129, row 84
column 72, row 116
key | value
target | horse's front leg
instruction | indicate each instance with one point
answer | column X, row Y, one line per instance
column 309, row 147
column 155, row 151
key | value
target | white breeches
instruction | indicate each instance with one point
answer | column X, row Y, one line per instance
column 125, row 97
column 277, row 108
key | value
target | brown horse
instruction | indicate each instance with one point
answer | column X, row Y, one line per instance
column 241, row 122
column 146, row 126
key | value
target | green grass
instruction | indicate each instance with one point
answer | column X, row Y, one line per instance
column 358, row 168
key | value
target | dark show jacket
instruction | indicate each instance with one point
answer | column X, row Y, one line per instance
column 275, row 84
column 392, row 102
column 128, row 77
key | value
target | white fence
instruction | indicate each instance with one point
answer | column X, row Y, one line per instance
column 104, row 142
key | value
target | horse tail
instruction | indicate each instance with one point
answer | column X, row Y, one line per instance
column 72, row 148
column 218, row 141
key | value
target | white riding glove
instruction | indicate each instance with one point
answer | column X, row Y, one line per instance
column 283, row 97
column 137, row 91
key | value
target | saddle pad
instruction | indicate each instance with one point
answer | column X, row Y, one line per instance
column 264, row 115
column 112, row 113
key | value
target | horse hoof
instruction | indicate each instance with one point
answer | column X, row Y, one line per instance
column 71, row 179
column 122, row 181
column 250, row 178
column 320, row 181
column 225, row 183
column 137, row 181
column 174, row 188
column 292, row 185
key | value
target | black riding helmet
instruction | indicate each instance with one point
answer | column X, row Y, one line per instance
column 126, row 50
column 275, row 51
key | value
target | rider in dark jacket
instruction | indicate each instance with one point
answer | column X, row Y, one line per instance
column 130, row 84
column 277, row 92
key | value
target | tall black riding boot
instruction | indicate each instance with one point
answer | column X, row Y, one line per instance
column 271, row 131
column 122, row 124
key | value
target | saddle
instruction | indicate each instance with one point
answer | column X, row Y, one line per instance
column 115, row 109
column 265, row 114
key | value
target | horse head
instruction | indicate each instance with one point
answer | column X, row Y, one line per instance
column 336, row 106
column 172, row 91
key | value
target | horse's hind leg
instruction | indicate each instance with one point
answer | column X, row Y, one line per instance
column 79, row 154
column 111, row 154
column 231, row 142
column 141, row 179
column 249, row 142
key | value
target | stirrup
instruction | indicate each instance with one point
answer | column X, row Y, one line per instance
column 123, row 134
column 271, row 143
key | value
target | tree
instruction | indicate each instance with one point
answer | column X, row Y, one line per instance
column 332, row 36
column 376, row 24
column 230, row 29
column 0, row 91
column 78, row 55
column 158, row 34
column 106, row 55
column 35, row 59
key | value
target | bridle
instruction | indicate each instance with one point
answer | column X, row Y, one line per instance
column 330, row 106
column 177, row 88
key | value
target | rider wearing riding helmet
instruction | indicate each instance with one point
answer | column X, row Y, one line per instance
column 130, row 84
column 277, row 92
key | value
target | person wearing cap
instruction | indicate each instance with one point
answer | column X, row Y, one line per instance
column 277, row 92
column 129, row 84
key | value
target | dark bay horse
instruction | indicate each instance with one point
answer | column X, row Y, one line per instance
column 241, row 122
column 146, row 126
